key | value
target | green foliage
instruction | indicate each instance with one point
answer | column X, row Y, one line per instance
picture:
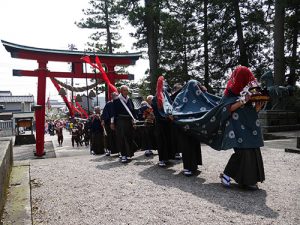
column 173, row 33
column 179, row 41
column 102, row 16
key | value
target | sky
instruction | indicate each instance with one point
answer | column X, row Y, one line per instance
column 47, row 24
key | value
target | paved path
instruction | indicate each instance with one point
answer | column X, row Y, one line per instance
column 86, row 189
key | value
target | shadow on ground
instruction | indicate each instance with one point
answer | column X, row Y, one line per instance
column 245, row 202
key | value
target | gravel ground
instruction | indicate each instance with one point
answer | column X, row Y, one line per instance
column 100, row 190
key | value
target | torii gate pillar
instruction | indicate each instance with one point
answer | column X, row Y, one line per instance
column 40, row 113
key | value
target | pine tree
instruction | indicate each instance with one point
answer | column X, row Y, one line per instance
column 292, row 32
column 180, row 41
column 103, row 17
column 239, row 35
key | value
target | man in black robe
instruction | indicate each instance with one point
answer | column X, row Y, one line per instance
column 97, row 139
column 148, row 137
column 110, row 137
column 122, row 122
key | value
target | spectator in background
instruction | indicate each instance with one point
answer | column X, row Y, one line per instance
column 97, row 136
column 110, row 137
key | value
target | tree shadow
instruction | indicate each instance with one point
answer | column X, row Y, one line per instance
column 234, row 198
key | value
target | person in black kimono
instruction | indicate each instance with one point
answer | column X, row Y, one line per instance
column 163, row 124
column 189, row 145
column 87, row 132
column 122, row 121
column 110, row 137
column 97, row 139
column 148, row 138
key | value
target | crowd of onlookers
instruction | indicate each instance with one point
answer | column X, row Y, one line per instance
column 79, row 130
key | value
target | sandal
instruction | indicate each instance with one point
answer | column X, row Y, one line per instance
column 187, row 173
column 225, row 180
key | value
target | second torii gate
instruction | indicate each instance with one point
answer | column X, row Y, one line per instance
column 43, row 56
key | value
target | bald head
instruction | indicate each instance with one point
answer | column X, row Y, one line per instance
column 124, row 90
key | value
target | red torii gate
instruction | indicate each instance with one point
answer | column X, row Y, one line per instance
column 43, row 56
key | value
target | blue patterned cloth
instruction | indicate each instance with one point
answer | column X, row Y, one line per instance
column 208, row 118
column 192, row 102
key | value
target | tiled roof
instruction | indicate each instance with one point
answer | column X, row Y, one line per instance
column 24, row 98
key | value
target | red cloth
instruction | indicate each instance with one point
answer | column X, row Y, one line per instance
column 98, row 65
column 159, row 92
column 239, row 78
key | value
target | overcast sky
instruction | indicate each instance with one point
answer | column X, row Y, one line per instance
column 45, row 24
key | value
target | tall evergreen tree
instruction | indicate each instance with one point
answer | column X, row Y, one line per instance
column 144, row 15
column 279, row 63
column 238, row 37
column 151, row 22
column 205, row 44
column 179, row 41
column 103, row 17
column 243, row 59
column 292, row 34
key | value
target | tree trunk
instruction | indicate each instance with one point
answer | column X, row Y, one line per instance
column 205, row 40
column 108, row 41
column 292, row 78
column 186, row 76
column 151, row 23
column 279, row 62
column 243, row 60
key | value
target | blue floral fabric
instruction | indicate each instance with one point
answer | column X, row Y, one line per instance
column 222, row 130
column 192, row 102
column 208, row 118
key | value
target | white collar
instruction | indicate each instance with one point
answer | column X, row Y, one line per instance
column 121, row 97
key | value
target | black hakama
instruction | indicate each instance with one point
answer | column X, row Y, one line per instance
column 191, row 151
column 124, row 135
column 245, row 166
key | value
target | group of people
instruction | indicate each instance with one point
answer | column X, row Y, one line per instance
column 79, row 131
column 178, row 122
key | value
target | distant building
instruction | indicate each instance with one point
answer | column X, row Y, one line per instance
column 56, row 105
column 85, row 104
column 10, row 105
column 101, row 101
column 5, row 93
column 15, row 103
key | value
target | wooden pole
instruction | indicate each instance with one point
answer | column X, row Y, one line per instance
column 40, row 113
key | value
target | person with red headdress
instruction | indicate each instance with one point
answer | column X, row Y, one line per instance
column 162, row 124
column 245, row 166
column 234, row 123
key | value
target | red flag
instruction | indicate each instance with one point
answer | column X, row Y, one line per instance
column 104, row 75
column 111, row 87
column 86, row 59
column 159, row 92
